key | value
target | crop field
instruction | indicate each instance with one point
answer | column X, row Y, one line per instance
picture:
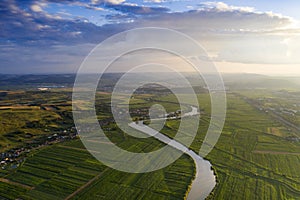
column 250, row 161
column 256, row 157
column 59, row 171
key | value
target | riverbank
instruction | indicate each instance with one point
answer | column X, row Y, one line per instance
column 204, row 181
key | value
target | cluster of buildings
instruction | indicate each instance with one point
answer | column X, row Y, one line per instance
column 14, row 157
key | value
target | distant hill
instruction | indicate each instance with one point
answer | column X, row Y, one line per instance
column 108, row 80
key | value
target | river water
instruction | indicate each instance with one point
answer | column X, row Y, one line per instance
column 205, row 179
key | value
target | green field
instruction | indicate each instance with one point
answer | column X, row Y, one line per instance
column 29, row 115
column 57, row 171
column 256, row 157
column 251, row 162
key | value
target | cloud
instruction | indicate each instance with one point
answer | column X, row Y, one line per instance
column 121, row 18
column 218, row 20
column 154, row 1
column 138, row 10
column 107, row 1
column 209, row 18
column 229, row 33
column 36, row 8
column 41, row 28
column 222, row 7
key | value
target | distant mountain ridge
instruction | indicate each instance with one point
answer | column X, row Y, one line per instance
column 231, row 81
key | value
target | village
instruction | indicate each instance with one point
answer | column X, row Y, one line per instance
column 14, row 157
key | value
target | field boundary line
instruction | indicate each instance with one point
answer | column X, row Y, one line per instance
column 275, row 152
column 16, row 184
column 86, row 185
column 73, row 148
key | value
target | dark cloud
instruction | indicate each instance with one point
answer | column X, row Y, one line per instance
column 22, row 25
column 121, row 18
column 216, row 20
column 50, row 38
column 37, row 28
column 138, row 10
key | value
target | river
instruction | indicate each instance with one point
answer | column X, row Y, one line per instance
column 205, row 179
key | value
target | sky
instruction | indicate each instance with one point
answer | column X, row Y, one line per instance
column 54, row 36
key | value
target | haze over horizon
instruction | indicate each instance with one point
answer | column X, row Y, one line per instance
column 240, row 37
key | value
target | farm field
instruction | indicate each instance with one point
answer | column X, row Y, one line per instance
column 250, row 161
column 58, row 171
column 149, row 100
column 256, row 157
column 67, row 171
